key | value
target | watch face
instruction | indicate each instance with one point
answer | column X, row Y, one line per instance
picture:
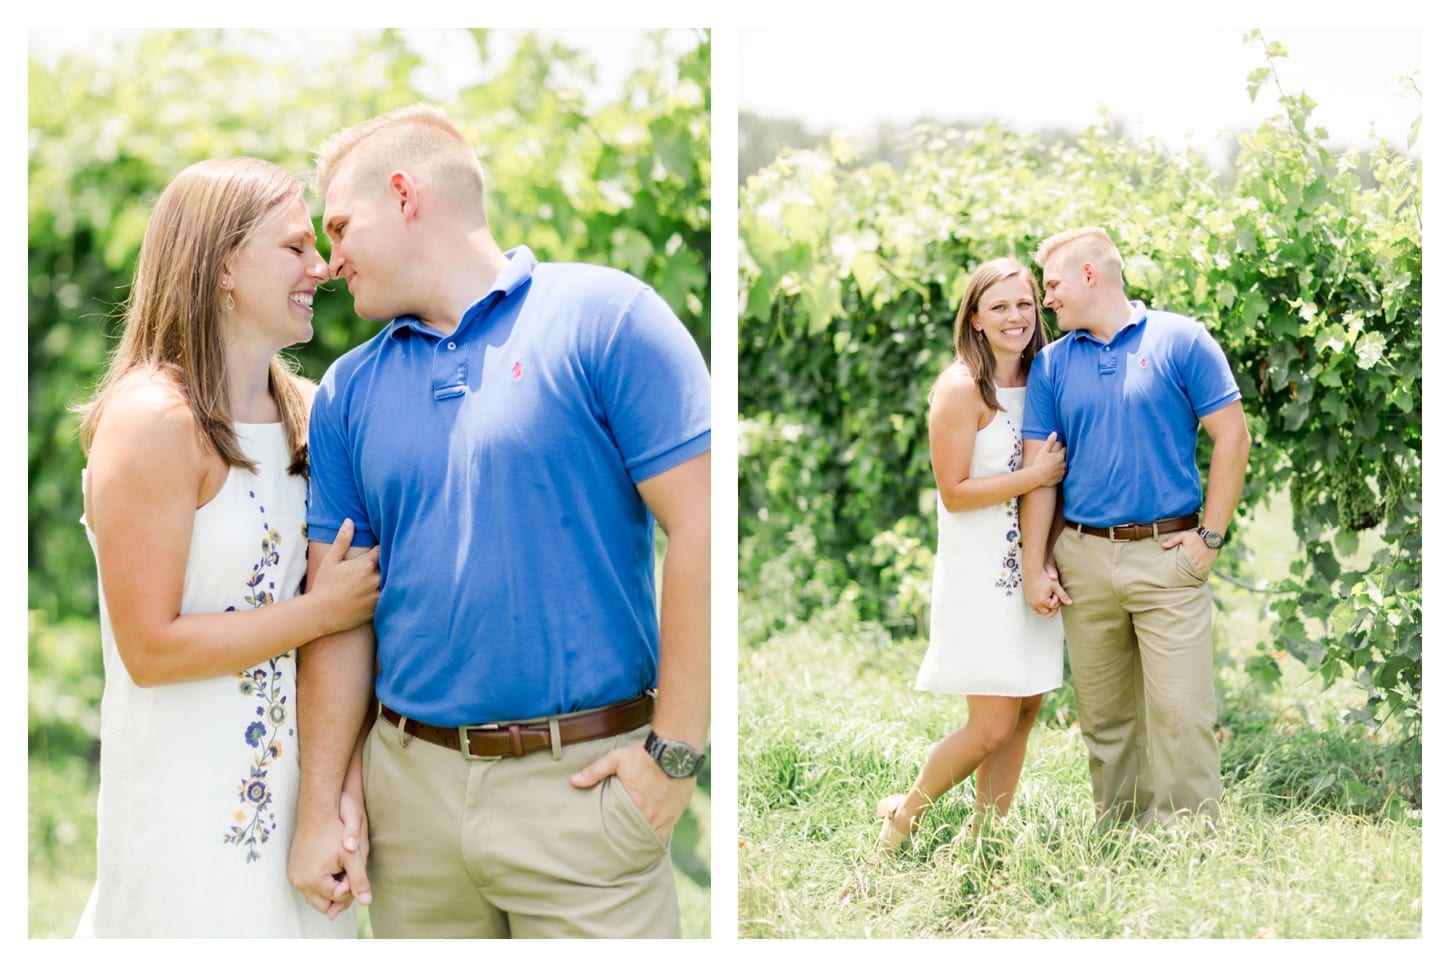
column 677, row 760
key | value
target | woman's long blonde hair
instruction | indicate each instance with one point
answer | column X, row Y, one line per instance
column 972, row 349
column 173, row 313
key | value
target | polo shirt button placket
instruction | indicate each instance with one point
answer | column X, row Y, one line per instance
column 450, row 377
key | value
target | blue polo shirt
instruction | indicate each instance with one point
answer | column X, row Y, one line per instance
column 496, row 467
column 1128, row 411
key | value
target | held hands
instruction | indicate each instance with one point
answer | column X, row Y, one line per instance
column 1045, row 592
column 354, row 816
column 661, row 799
column 328, row 860
column 1050, row 463
column 350, row 587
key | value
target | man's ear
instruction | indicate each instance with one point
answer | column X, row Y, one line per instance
column 404, row 194
column 1090, row 274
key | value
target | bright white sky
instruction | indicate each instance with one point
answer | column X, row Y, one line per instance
column 1183, row 87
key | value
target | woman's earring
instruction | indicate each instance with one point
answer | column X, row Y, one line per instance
column 231, row 303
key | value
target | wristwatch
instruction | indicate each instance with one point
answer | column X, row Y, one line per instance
column 678, row 760
column 1211, row 539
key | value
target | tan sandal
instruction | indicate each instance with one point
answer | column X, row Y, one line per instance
column 891, row 836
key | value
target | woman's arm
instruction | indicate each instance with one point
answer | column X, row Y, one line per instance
column 146, row 473
column 957, row 409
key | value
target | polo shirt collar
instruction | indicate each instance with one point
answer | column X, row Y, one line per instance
column 1139, row 316
column 518, row 271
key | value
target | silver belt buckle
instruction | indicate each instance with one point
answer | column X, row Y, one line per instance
column 1113, row 535
column 463, row 748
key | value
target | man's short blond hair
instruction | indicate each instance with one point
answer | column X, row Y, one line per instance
column 1090, row 244
column 418, row 139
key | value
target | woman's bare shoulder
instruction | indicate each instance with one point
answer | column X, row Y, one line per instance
column 956, row 386
column 149, row 392
column 146, row 407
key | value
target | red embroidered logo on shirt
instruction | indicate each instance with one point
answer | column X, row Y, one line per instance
column 518, row 368
column 1143, row 362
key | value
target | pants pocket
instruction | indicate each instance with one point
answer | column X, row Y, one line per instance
column 625, row 825
column 1186, row 566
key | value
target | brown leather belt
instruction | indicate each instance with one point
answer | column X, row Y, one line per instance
column 499, row 740
column 1136, row 532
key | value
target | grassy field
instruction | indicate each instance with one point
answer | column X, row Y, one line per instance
column 1320, row 835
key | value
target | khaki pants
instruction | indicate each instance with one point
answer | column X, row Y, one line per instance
column 1140, row 645
column 509, row 848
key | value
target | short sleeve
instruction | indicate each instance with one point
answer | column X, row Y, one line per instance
column 1207, row 374
column 1039, row 416
column 332, row 491
column 654, row 389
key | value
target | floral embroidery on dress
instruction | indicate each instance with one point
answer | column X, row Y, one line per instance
column 1010, row 577
column 256, row 820
column 1014, row 462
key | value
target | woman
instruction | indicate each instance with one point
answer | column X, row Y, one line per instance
column 194, row 493
column 985, row 643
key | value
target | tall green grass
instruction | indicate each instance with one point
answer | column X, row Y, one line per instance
column 1319, row 837
column 819, row 748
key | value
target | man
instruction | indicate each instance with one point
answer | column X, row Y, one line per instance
column 508, row 440
column 1126, row 389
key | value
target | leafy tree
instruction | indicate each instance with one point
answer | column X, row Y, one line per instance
column 760, row 139
column 1307, row 273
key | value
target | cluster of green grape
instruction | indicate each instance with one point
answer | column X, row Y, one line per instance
column 1357, row 505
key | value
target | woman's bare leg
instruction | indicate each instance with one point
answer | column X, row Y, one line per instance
column 992, row 722
column 999, row 772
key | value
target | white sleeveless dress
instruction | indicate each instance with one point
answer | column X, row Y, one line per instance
column 198, row 796
column 985, row 638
